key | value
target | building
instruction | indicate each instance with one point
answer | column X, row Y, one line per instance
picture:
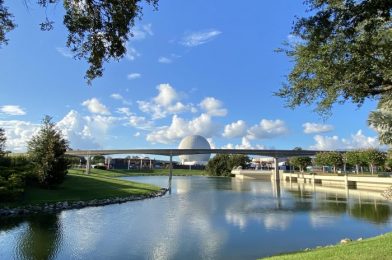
column 194, row 142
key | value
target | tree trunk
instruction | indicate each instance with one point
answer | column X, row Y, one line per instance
column 357, row 168
column 371, row 169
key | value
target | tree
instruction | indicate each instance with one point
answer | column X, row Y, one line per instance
column 98, row 159
column 354, row 158
column 97, row 30
column 343, row 51
column 3, row 139
column 301, row 162
column 222, row 164
column 47, row 152
column 374, row 158
column 381, row 119
column 329, row 158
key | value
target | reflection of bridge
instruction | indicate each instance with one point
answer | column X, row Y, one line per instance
column 276, row 154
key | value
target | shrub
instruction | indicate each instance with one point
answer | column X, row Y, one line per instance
column 222, row 164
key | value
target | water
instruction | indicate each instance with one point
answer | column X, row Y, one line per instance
column 203, row 218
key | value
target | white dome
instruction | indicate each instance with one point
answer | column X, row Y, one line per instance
column 194, row 142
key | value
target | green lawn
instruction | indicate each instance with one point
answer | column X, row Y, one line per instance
column 155, row 172
column 81, row 187
column 379, row 247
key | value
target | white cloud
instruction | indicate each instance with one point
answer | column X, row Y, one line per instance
column 64, row 52
column 198, row 38
column 267, row 129
column 132, row 76
column 124, row 111
column 356, row 141
column 245, row 144
column 96, row 107
column 132, row 53
column 166, row 102
column 314, row 128
column 12, row 110
column 137, row 134
column 141, row 32
column 179, row 128
column 235, row 129
column 165, row 60
column 116, row 96
column 140, row 122
column 86, row 132
column 213, row 106
column 18, row 133
column 211, row 142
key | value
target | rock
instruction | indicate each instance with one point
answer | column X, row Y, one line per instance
column 345, row 240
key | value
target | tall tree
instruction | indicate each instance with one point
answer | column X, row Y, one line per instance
column 341, row 52
column 301, row 162
column 97, row 30
column 47, row 152
column 3, row 139
column 374, row 158
column 354, row 158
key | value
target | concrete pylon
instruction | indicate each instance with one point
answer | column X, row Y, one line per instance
column 170, row 171
column 276, row 169
column 88, row 164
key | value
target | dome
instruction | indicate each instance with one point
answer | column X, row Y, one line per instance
column 194, row 142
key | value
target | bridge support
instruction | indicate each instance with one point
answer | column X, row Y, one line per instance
column 276, row 170
column 170, row 171
column 88, row 164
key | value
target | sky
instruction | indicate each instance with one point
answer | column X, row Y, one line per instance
column 192, row 67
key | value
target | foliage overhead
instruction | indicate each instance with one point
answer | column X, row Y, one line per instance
column 381, row 119
column 98, row 30
column 47, row 152
column 343, row 51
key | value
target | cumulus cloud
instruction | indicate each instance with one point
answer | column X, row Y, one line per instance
column 125, row 111
column 198, row 38
column 267, row 129
column 245, row 144
column 235, row 129
column 12, row 110
column 132, row 76
column 356, row 141
column 314, row 128
column 116, row 96
column 18, row 133
column 96, row 107
column 213, row 106
column 85, row 132
column 166, row 102
column 140, row 122
column 179, row 128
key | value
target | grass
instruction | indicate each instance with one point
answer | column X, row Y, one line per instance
column 379, row 247
column 155, row 172
column 80, row 187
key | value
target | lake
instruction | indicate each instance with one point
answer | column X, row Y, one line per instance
column 202, row 218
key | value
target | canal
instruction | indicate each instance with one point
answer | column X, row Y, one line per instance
column 202, row 218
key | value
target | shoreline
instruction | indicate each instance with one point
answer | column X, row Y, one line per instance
column 56, row 207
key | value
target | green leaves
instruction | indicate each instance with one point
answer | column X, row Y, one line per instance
column 6, row 23
column 222, row 164
column 47, row 152
column 344, row 52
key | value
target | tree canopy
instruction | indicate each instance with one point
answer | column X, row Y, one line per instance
column 97, row 30
column 341, row 52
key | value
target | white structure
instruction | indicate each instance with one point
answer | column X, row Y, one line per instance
column 194, row 142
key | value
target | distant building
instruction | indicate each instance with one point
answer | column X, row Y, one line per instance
column 194, row 142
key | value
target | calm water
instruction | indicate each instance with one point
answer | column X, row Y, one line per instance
column 203, row 218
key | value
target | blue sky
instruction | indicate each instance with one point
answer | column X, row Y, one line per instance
column 193, row 67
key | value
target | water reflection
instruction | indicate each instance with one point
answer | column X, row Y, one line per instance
column 208, row 218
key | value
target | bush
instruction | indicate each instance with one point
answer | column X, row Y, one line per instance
column 11, row 188
column 222, row 164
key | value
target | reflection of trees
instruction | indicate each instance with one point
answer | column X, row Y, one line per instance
column 10, row 223
column 41, row 239
column 377, row 213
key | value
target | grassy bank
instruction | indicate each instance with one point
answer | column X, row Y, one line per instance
column 81, row 187
column 154, row 172
column 379, row 247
